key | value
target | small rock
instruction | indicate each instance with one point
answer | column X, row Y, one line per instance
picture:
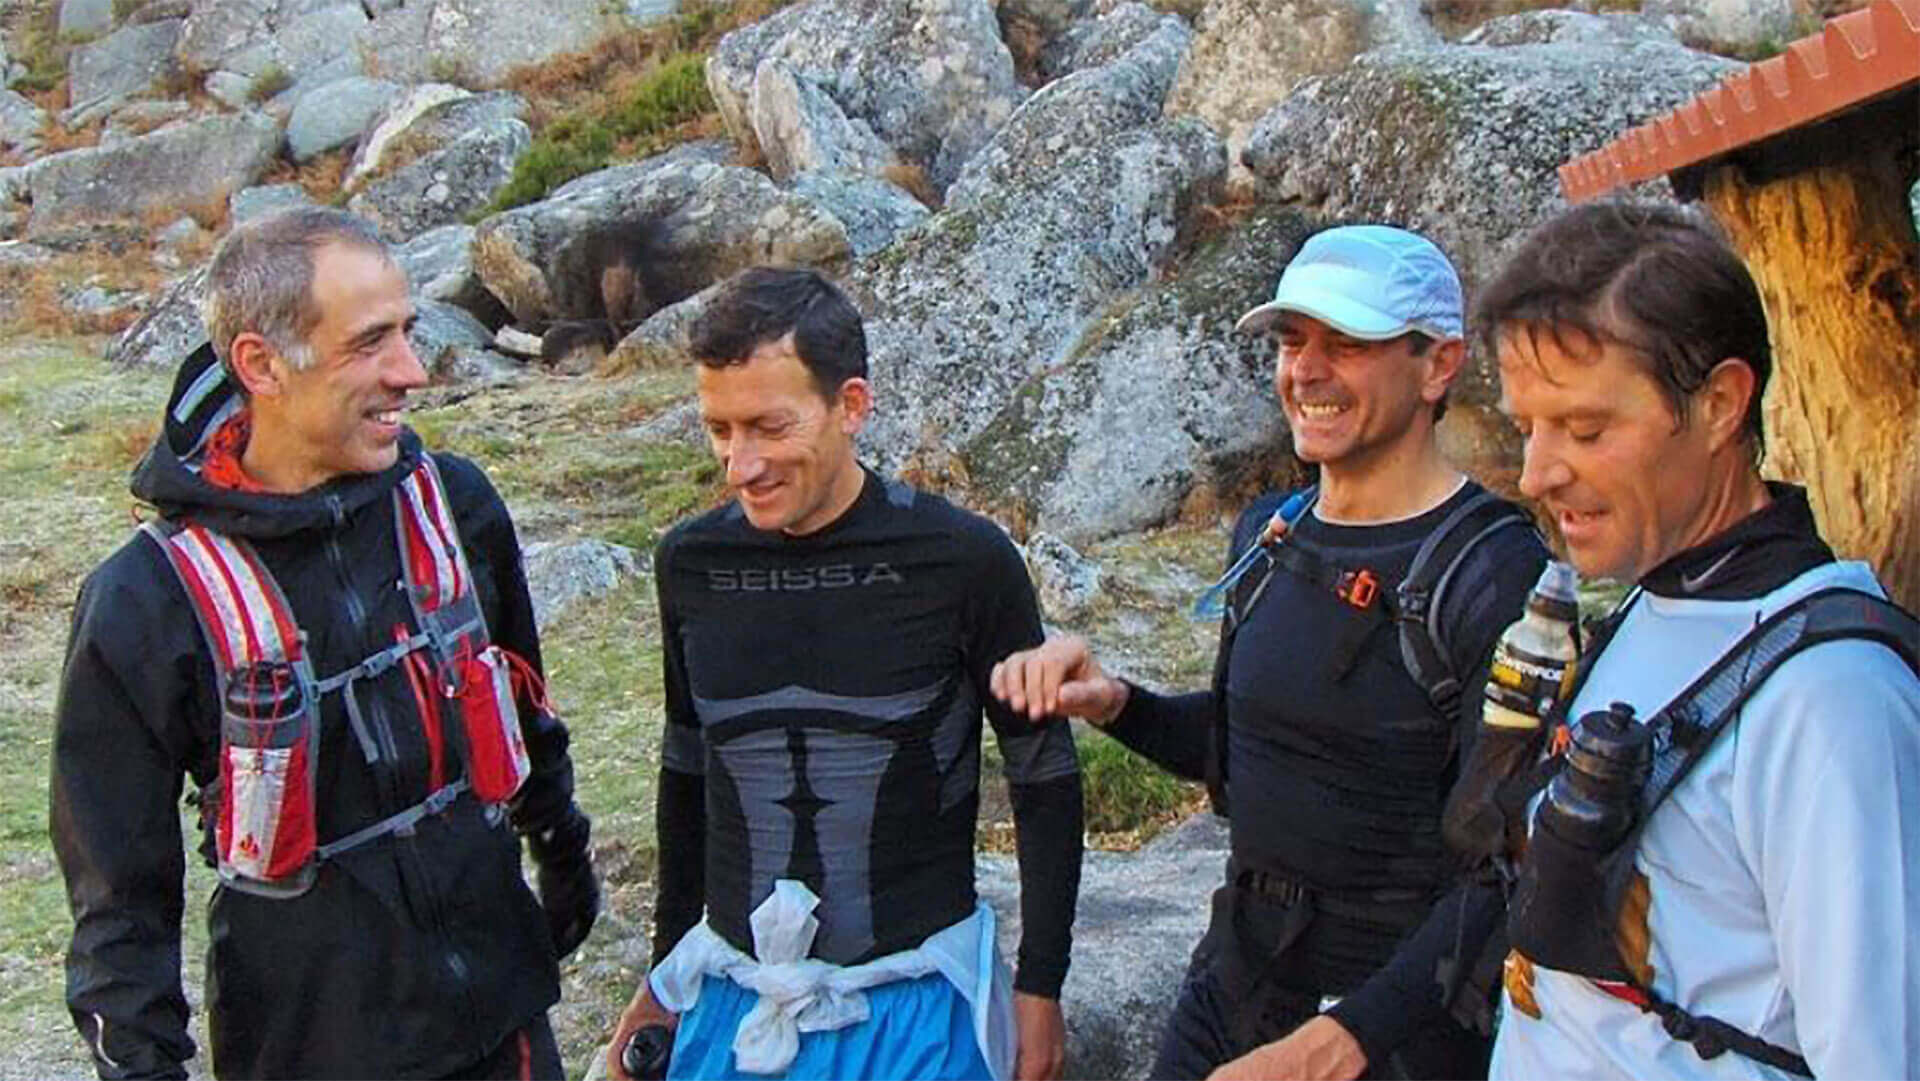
column 182, row 233
column 336, row 114
column 85, row 18
column 229, row 88
column 20, row 123
column 873, row 210
column 675, row 425
column 131, row 61
column 397, row 117
column 1068, row 582
column 562, row 574
column 170, row 329
column 249, row 203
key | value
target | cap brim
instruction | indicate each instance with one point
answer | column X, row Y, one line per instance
column 1342, row 314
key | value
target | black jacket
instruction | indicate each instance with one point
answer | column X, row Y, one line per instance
column 410, row 956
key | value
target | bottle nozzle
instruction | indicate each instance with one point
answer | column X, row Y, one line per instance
column 1558, row 581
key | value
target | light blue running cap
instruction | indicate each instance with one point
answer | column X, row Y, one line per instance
column 1372, row 282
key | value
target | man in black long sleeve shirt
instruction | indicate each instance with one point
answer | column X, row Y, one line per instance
column 828, row 636
column 1334, row 760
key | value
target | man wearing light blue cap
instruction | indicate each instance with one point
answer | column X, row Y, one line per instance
column 1334, row 721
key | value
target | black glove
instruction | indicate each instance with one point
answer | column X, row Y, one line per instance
column 569, row 890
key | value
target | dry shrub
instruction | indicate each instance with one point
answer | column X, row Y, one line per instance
column 54, row 136
column 912, row 177
column 1024, row 39
column 319, row 177
column 38, row 291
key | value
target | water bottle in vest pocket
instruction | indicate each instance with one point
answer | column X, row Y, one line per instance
column 497, row 762
column 266, row 828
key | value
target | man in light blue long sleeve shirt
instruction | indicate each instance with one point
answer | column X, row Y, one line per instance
column 1783, row 874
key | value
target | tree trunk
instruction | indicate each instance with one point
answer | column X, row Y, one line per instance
column 1833, row 249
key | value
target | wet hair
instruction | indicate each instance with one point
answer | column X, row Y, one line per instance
column 261, row 279
column 765, row 304
column 1654, row 279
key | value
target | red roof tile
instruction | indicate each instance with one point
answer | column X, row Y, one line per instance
column 1858, row 56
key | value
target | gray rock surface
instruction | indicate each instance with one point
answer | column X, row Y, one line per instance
column 229, row 88
column 1090, row 43
column 137, row 118
column 443, row 333
column 169, row 330
column 371, row 155
column 293, row 38
column 800, row 128
column 1744, row 28
column 336, row 114
column 182, row 233
column 462, row 152
column 931, row 77
column 873, row 210
column 439, row 266
column 125, row 63
column 1146, row 910
column 676, row 425
column 1248, row 55
column 648, row 12
column 85, row 18
column 249, row 203
column 1617, row 29
column 1076, row 112
column 1159, row 396
column 563, row 574
column 712, row 220
column 660, row 341
column 489, row 38
column 966, row 308
column 20, row 123
column 21, row 253
column 1067, row 582
column 1487, row 126
column 193, row 165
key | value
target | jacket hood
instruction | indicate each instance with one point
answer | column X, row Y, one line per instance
column 169, row 476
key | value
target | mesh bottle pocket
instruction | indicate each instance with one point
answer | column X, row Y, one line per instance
column 266, row 830
column 497, row 761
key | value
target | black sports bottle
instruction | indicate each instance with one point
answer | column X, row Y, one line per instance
column 646, row 1054
column 1591, row 804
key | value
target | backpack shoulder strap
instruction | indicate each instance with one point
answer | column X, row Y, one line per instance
column 1421, row 595
column 438, row 580
column 1248, row 590
column 1686, row 727
column 243, row 615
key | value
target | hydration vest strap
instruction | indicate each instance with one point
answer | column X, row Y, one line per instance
column 436, row 567
column 1685, row 728
column 438, row 801
column 242, row 613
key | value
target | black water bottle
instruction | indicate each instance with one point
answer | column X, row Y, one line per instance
column 1591, row 804
column 647, row 1051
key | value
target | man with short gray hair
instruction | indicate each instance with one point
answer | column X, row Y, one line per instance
column 329, row 630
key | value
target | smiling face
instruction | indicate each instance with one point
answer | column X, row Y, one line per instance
column 339, row 415
column 1627, row 483
column 786, row 448
column 1350, row 401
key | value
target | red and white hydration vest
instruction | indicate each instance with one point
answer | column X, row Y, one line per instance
column 265, row 829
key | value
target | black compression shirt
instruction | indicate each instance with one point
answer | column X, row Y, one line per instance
column 824, row 696
column 1337, row 763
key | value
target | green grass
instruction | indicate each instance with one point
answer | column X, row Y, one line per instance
column 644, row 122
column 1124, row 792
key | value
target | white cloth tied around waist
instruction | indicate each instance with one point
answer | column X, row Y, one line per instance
column 800, row 994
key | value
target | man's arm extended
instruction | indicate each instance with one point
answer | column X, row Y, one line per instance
column 115, row 823
column 1043, row 781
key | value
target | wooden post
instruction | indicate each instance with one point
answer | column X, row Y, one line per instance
column 1829, row 237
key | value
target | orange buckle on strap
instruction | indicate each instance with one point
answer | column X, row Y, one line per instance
column 1358, row 588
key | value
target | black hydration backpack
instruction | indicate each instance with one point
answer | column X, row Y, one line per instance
column 1413, row 604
